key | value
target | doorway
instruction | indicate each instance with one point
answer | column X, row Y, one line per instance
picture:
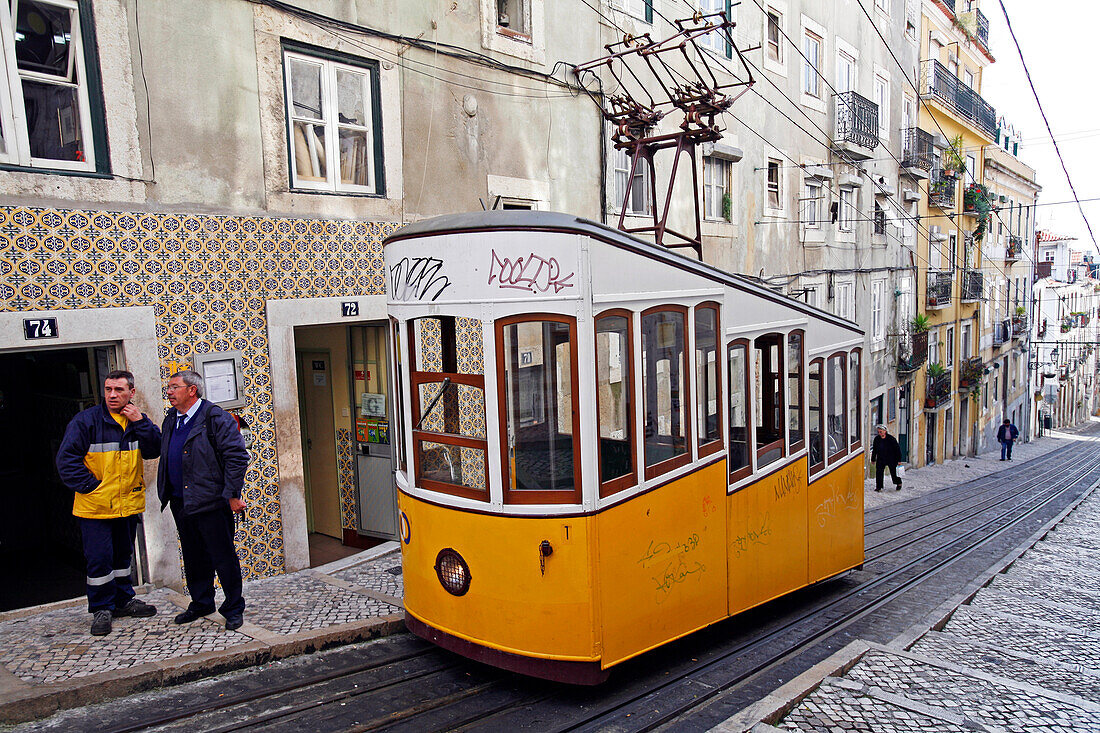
column 930, row 440
column 344, row 408
column 903, row 422
column 41, row 555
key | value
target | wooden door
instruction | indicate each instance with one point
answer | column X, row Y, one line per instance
column 319, row 442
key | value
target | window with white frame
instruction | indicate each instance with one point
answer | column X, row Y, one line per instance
column 971, row 168
column 332, row 114
column 950, row 344
column 811, row 64
column 882, row 99
column 843, row 301
column 811, row 205
column 774, row 198
column 716, row 40
column 49, row 112
column 846, row 209
column 912, row 18
column 845, row 71
column 514, row 16
column 637, row 8
column 774, row 44
column 716, row 186
column 639, row 200
column 883, row 5
column 878, row 316
column 966, row 341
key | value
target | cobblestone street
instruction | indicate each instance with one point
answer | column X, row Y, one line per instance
column 1020, row 655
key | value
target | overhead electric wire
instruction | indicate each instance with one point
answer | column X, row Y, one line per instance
column 1042, row 112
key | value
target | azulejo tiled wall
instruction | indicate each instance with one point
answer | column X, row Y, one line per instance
column 345, row 459
column 208, row 279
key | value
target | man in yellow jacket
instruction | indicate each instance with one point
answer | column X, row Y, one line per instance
column 100, row 458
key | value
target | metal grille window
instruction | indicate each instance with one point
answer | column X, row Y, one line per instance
column 332, row 112
column 46, row 102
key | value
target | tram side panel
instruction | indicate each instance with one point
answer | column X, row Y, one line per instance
column 519, row 600
column 768, row 540
column 662, row 564
column 836, row 521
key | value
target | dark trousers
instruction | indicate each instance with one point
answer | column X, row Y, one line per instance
column 880, row 470
column 206, row 540
column 108, row 548
column 1006, row 450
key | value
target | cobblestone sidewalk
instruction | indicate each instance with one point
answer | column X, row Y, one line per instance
column 48, row 658
column 1022, row 655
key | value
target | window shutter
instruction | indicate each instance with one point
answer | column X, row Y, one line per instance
column 729, row 33
column 648, row 11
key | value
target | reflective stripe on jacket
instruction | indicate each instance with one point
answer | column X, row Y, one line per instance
column 102, row 463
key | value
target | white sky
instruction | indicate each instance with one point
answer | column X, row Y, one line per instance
column 1058, row 39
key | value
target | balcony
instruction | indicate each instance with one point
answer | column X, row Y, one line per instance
column 976, row 25
column 919, row 155
column 1019, row 327
column 972, row 286
column 856, row 125
column 945, row 88
column 1015, row 248
column 939, row 289
column 912, row 351
column 1002, row 332
column 941, row 192
column 938, row 392
column 970, row 373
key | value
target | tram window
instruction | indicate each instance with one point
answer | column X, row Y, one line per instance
column 855, row 398
column 665, row 389
column 768, row 358
column 837, row 406
column 399, row 397
column 537, row 367
column 615, row 400
column 795, row 430
column 708, row 380
column 740, row 462
column 815, row 422
column 448, row 405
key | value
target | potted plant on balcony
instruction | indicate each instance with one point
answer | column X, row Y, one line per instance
column 935, row 370
column 920, row 323
column 953, row 162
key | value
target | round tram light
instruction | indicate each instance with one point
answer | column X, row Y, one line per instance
column 404, row 529
column 452, row 571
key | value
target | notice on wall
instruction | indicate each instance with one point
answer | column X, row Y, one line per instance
column 320, row 379
column 368, row 430
column 221, row 380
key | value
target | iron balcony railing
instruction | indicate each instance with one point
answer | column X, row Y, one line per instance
column 1002, row 332
column 1015, row 247
column 983, row 27
column 912, row 351
column 1019, row 326
column 919, row 152
column 938, row 392
column 970, row 373
column 950, row 4
column 946, row 88
column 856, row 120
column 941, row 192
column 972, row 285
column 939, row 289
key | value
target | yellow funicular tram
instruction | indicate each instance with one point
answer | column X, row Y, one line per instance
column 603, row 446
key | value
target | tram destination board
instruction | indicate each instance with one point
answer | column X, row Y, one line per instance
column 39, row 328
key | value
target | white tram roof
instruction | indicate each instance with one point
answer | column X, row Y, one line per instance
column 547, row 221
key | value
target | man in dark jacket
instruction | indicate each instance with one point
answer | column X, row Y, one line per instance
column 201, row 475
column 1006, row 436
column 100, row 459
column 885, row 452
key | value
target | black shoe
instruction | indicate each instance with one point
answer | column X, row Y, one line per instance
column 1002, row 459
column 879, row 489
column 232, row 623
column 101, row 623
column 191, row 615
column 899, row 487
column 136, row 608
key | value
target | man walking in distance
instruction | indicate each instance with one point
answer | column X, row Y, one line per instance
column 1006, row 436
column 201, row 474
column 885, row 452
column 100, row 458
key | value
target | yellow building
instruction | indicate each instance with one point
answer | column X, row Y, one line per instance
column 955, row 215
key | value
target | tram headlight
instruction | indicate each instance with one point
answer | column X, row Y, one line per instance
column 453, row 572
